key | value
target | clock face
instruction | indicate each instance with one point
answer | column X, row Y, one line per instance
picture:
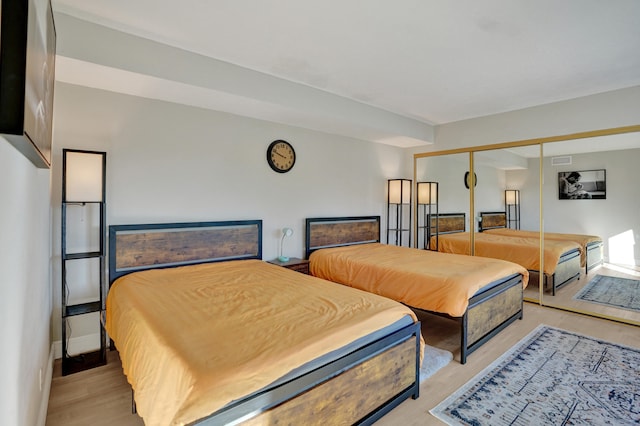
column 281, row 156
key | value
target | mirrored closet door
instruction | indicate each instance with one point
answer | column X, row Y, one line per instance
column 604, row 203
column 507, row 197
column 526, row 184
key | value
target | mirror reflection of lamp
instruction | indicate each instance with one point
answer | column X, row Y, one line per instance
column 286, row 232
column 512, row 205
column 428, row 200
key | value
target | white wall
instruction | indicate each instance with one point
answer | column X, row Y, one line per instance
column 25, row 288
column 169, row 162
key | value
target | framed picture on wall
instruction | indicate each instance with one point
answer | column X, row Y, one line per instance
column 582, row 185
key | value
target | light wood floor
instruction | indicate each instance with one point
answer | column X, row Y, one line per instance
column 102, row 396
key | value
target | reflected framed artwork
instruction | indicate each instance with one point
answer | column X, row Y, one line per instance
column 582, row 185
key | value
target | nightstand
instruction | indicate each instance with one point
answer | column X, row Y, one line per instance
column 295, row 264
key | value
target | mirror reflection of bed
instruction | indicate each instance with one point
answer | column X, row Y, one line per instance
column 562, row 261
column 614, row 218
column 497, row 224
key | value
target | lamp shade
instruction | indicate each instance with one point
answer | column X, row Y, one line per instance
column 84, row 176
column 512, row 197
column 399, row 191
column 427, row 192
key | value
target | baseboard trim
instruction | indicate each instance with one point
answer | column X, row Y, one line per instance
column 46, row 388
column 81, row 344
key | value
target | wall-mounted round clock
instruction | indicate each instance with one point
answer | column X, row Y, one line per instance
column 468, row 180
column 281, row 156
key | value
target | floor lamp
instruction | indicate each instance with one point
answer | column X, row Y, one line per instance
column 428, row 203
column 399, row 212
column 512, row 206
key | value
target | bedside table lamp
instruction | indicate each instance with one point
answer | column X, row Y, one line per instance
column 286, row 232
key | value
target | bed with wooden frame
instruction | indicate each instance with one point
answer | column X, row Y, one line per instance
column 592, row 246
column 492, row 308
column 386, row 360
column 566, row 269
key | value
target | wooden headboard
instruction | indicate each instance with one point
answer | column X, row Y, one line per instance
column 161, row 245
column 492, row 220
column 325, row 232
column 449, row 223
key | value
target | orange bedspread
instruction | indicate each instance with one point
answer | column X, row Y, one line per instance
column 521, row 250
column 581, row 239
column 422, row 279
column 194, row 338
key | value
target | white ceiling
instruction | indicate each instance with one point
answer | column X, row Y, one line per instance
column 430, row 61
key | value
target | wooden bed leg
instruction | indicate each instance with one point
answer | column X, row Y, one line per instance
column 134, row 410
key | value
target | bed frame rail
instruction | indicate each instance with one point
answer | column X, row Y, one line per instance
column 355, row 374
column 490, row 312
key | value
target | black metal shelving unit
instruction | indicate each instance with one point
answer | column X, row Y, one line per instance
column 83, row 361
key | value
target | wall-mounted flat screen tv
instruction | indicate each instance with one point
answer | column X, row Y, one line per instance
column 27, row 65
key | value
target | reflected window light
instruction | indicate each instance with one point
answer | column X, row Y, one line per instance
column 622, row 248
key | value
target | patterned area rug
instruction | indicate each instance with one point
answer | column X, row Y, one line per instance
column 613, row 291
column 551, row 377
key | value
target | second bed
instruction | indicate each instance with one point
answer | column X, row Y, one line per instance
column 483, row 295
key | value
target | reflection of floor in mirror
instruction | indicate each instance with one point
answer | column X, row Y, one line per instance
column 532, row 291
column 629, row 269
column 564, row 296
